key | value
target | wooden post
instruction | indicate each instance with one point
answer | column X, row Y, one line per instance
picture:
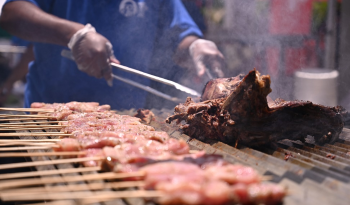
column 344, row 61
column 330, row 35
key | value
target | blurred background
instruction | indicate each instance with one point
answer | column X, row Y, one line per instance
column 304, row 45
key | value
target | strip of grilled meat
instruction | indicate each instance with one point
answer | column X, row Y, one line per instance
column 238, row 110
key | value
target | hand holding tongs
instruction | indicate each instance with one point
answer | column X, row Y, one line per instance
column 68, row 54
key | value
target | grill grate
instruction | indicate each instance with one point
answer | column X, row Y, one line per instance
column 313, row 174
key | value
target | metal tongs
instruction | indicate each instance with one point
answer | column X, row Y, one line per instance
column 68, row 54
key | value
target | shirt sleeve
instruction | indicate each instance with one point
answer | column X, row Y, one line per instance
column 19, row 42
column 176, row 22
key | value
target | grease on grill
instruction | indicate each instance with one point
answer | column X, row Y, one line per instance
column 330, row 156
column 288, row 155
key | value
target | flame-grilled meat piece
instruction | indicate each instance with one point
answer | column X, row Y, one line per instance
column 244, row 115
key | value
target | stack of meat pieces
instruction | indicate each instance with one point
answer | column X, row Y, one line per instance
column 237, row 110
column 185, row 178
column 212, row 183
column 63, row 110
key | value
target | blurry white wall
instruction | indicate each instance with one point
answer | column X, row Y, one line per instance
column 1, row 4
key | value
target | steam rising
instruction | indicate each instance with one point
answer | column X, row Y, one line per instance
column 250, row 23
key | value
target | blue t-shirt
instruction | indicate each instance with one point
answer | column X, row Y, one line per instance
column 132, row 26
column 19, row 42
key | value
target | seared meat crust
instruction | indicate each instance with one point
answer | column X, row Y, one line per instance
column 244, row 115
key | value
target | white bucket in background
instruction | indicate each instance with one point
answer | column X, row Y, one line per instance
column 316, row 85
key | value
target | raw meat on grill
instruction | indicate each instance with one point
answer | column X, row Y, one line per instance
column 126, row 145
column 102, row 124
column 181, row 177
column 150, row 139
column 58, row 115
column 63, row 110
column 96, row 152
column 186, row 183
column 151, row 135
column 243, row 115
column 116, row 128
column 136, row 154
column 117, row 123
column 74, row 106
column 93, row 122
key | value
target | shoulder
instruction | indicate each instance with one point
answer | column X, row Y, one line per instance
column 43, row 4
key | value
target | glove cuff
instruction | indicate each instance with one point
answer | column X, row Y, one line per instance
column 80, row 34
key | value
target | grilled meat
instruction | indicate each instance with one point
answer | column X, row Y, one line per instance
column 145, row 115
column 244, row 114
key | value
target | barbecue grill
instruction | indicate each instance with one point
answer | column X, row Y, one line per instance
column 313, row 174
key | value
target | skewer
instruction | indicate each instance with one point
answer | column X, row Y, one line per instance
column 39, row 154
column 26, row 140
column 87, row 197
column 6, row 184
column 26, row 128
column 33, row 126
column 112, row 196
column 75, row 187
column 48, row 172
column 33, row 134
column 25, row 148
column 25, row 123
column 41, row 163
column 24, row 116
column 27, row 144
column 56, row 202
column 26, row 109
column 22, row 119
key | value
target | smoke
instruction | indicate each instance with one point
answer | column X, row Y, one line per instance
column 274, row 38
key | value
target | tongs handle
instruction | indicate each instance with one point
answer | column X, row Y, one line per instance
column 158, row 79
column 148, row 89
column 68, row 54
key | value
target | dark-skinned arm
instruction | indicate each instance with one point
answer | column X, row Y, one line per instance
column 27, row 21
column 92, row 51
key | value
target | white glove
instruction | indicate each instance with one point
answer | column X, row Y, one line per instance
column 93, row 53
column 205, row 55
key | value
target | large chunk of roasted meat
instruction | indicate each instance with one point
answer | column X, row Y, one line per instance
column 237, row 110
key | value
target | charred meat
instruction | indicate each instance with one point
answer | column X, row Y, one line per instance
column 242, row 113
column 145, row 115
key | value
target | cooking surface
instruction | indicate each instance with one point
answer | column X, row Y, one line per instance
column 313, row 174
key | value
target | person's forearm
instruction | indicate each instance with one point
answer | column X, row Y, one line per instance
column 27, row 21
column 182, row 55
